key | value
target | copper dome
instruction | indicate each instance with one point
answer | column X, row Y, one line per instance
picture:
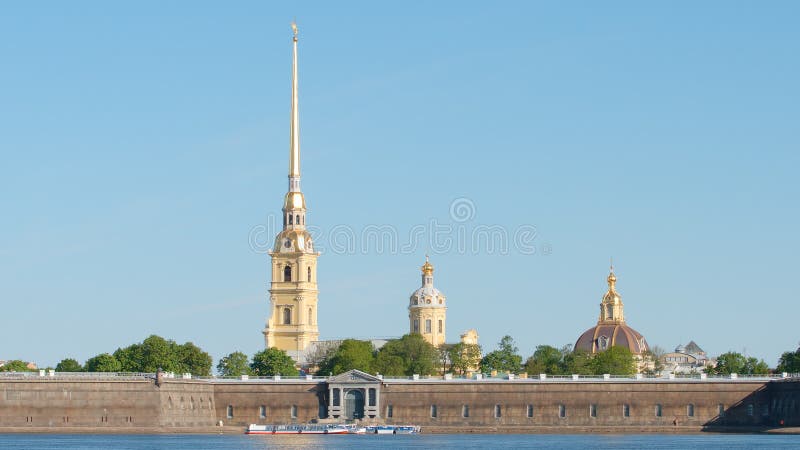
column 603, row 336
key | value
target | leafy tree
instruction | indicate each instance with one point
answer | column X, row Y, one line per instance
column 103, row 363
column 545, row 359
column 69, row 365
column 234, row 365
column 389, row 364
column 411, row 353
column 16, row 365
column 159, row 353
column 273, row 361
column 753, row 366
column 734, row 362
column 505, row 359
column 193, row 360
column 155, row 353
column 578, row 362
column 789, row 362
column 615, row 360
column 351, row 354
column 464, row 357
column 130, row 358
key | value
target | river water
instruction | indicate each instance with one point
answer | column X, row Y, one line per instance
column 423, row 441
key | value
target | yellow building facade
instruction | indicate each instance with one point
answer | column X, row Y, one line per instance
column 427, row 309
column 292, row 318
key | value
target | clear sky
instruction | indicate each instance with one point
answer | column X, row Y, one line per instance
column 144, row 157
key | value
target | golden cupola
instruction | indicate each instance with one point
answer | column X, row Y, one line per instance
column 611, row 329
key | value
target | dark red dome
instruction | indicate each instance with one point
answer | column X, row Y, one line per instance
column 605, row 335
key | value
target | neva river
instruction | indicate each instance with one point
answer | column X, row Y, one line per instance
column 476, row 441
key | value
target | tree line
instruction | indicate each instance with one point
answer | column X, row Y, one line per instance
column 150, row 355
column 408, row 355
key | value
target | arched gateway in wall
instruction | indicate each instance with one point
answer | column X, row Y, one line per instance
column 353, row 395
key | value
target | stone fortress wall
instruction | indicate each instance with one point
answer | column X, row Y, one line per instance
column 140, row 405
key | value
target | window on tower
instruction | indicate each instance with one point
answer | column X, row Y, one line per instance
column 287, row 316
column 291, row 217
column 427, row 326
column 309, row 274
column 287, row 273
column 440, row 326
column 310, row 316
column 297, row 220
column 416, row 325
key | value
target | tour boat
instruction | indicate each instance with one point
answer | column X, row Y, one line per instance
column 296, row 429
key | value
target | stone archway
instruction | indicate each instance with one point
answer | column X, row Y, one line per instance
column 354, row 404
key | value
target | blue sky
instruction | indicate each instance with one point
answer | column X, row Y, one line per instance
column 144, row 151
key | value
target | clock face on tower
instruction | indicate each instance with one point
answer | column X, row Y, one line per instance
column 288, row 243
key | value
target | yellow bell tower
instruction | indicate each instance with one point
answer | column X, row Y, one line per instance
column 427, row 309
column 292, row 321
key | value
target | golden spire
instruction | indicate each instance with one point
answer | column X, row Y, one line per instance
column 612, row 279
column 427, row 268
column 294, row 132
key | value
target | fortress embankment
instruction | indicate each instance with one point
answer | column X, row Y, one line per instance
column 140, row 403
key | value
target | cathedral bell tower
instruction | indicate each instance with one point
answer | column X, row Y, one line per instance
column 292, row 321
column 427, row 309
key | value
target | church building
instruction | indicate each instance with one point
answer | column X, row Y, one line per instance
column 292, row 317
column 427, row 309
column 611, row 328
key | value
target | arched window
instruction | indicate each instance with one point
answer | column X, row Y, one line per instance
column 427, row 325
column 290, row 219
column 309, row 274
column 440, row 326
column 416, row 325
column 609, row 312
column 287, row 273
column 297, row 220
column 310, row 316
column 287, row 316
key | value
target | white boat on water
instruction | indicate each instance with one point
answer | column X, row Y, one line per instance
column 296, row 429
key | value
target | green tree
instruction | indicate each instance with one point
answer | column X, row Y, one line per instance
column 193, row 360
column 464, row 357
column 69, row 365
column 273, row 361
column 234, row 365
column 615, row 360
column 389, row 364
column 545, row 359
column 418, row 356
column 505, row 359
column 103, row 363
column 578, row 362
column 753, row 366
column 130, row 358
column 159, row 353
column 351, row 354
column 789, row 362
column 16, row 365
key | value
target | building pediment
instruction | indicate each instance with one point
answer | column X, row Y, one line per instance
column 353, row 376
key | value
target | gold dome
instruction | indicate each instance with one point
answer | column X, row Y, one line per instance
column 291, row 241
column 294, row 200
column 427, row 268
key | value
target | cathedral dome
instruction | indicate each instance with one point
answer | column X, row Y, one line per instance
column 604, row 336
column 291, row 241
column 611, row 329
column 428, row 296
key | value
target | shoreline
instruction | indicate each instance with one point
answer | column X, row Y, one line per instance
column 228, row 430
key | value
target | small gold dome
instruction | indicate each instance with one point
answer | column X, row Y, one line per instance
column 294, row 200
column 427, row 268
column 293, row 241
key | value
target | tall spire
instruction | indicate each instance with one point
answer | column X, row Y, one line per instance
column 294, row 133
